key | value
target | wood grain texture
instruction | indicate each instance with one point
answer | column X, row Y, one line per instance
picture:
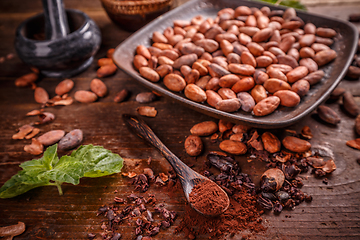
column 334, row 212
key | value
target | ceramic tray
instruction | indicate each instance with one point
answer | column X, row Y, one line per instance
column 344, row 44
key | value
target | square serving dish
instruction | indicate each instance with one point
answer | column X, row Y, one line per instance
column 344, row 44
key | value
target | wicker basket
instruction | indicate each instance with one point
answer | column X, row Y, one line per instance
column 131, row 15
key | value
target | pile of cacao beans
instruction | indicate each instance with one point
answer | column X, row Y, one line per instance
column 248, row 58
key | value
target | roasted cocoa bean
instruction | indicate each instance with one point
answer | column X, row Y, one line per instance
column 309, row 63
column 266, row 106
column 260, row 77
column 71, row 140
column 193, row 145
column 26, row 80
column 195, row 93
column 287, row 60
column 145, row 97
column 243, row 85
column 295, row 144
column 204, row 128
column 357, row 125
column 212, row 98
column 353, row 72
column 246, row 100
column 228, row 105
column 142, row 50
column 288, row 98
column 84, row 96
column 272, row 85
column 174, row 82
column 271, row 143
column 258, row 93
column 228, row 81
column 51, row 137
column 272, row 180
column 325, row 56
column 41, row 95
column 248, row 58
column 263, row 61
column 121, row 96
column 307, row 52
column 276, row 73
column 297, row 74
column 147, row 111
column 349, row 104
column 337, row 93
column 104, row 61
column 328, row 115
column 64, row 86
column 325, row 32
column 107, row 70
column 225, row 125
column 98, row 87
column 233, row 147
column 226, row 93
column 314, row 77
column 301, row 87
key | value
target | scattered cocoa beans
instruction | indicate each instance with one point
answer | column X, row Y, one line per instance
column 23, row 131
column 51, row 137
column 193, row 145
column 349, row 104
column 106, row 70
column 357, row 125
column 145, row 97
column 41, row 95
column 204, row 128
column 26, row 80
column 295, row 144
column 35, row 148
column 355, row 143
column 272, row 180
column 84, row 96
column 271, row 143
column 64, row 86
column 8, row 232
column 98, row 87
column 71, row 140
column 147, row 111
column 266, row 106
column 233, row 147
column 121, row 96
column 328, row 115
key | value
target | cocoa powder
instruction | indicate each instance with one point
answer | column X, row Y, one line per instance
column 208, row 198
column 242, row 214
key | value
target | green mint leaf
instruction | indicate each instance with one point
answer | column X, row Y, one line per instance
column 46, row 162
column 287, row 3
column 50, row 157
column 86, row 161
column 68, row 170
column 19, row 184
column 98, row 161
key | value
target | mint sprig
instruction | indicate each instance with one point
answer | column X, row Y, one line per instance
column 49, row 170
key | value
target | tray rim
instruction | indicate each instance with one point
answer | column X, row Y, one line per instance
column 259, row 122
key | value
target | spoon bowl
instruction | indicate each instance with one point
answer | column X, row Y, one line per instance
column 188, row 177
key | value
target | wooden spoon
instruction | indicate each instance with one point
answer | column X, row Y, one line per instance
column 188, row 177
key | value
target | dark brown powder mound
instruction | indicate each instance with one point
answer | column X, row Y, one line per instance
column 208, row 198
column 242, row 214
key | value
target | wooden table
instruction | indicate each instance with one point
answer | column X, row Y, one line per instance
column 334, row 212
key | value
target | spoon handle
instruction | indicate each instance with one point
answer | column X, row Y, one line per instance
column 145, row 132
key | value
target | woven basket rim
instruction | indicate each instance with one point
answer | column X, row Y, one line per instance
column 134, row 3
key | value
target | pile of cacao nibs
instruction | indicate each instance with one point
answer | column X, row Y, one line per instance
column 140, row 212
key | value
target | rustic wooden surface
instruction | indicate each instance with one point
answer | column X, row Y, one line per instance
column 334, row 212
